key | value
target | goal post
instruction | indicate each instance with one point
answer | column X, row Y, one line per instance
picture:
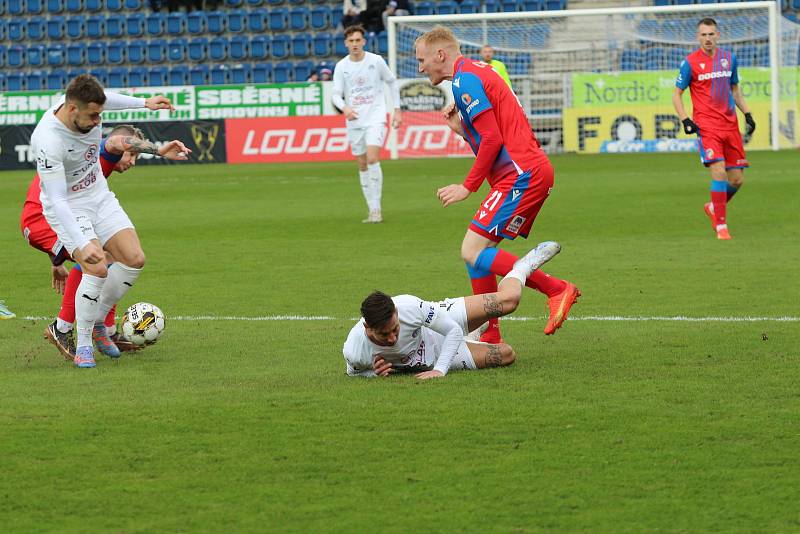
column 601, row 80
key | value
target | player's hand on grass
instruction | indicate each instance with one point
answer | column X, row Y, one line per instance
column 174, row 150
column 349, row 113
column 382, row 367
column 452, row 193
column 60, row 274
column 158, row 102
column 690, row 127
column 430, row 374
column 751, row 124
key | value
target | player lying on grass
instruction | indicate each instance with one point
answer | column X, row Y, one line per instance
column 406, row 334
column 118, row 152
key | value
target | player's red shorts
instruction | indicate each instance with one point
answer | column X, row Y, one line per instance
column 39, row 235
column 511, row 206
column 722, row 145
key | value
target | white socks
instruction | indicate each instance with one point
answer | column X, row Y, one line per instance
column 120, row 279
column 87, row 300
column 366, row 187
column 376, row 185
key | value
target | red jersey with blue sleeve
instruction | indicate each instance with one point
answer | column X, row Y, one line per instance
column 504, row 144
column 709, row 80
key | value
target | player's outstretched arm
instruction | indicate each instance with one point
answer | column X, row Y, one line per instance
column 173, row 150
column 158, row 102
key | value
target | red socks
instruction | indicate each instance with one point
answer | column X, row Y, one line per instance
column 544, row 283
column 488, row 284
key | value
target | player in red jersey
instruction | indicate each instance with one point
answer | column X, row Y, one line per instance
column 712, row 77
column 115, row 155
column 490, row 117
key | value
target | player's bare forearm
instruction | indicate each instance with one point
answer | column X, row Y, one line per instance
column 140, row 146
column 677, row 103
column 738, row 97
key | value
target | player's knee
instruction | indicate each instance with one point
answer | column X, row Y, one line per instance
column 99, row 270
column 469, row 255
column 136, row 260
column 736, row 181
column 507, row 354
column 372, row 160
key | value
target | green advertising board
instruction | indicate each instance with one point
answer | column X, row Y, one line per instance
column 258, row 100
column 25, row 107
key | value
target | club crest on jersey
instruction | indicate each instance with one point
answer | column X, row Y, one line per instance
column 724, row 63
column 361, row 80
column 515, row 224
column 466, row 99
column 91, row 152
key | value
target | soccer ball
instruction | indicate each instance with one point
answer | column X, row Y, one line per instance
column 142, row 323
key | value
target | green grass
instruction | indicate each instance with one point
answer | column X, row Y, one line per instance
column 253, row 426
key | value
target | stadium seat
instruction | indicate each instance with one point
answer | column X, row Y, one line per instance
column 3, row 86
column 93, row 5
column 113, row 5
column 532, row 5
column 302, row 70
column 654, row 58
column 118, row 77
column 179, row 75
column 378, row 43
column 3, row 29
column 34, row 7
column 156, row 51
column 54, row 6
column 278, row 19
column 101, row 73
column 115, row 26
column 322, row 44
column 220, row 74
column 262, row 73
column 34, row 80
column 16, row 30
column 296, row 2
column 259, row 47
column 176, row 23
column 96, row 53
column 198, row 49
column 339, row 49
column 196, row 22
column 280, row 46
column 662, row 2
column 136, row 52
column 241, row 73
column 199, row 75
column 236, row 21
column 74, row 6
column 133, row 5
column 158, row 76
column 137, row 77
column 134, row 24
column 257, row 20
column 630, row 59
column 115, row 52
column 321, row 18
column 155, row 24
column 218, row 49
column 555, row 5
column 75, row 27
column 76, row 54
column 15, row 57
column 57, row 79
column 254, row 3
column 470, row 6
column 237, row 49
column 176, row 50
column 282, row 72
column 56, row 55
column 298, row 18
column 215, row 21
column 301, row 45
column 15, row 81
column 3, row 56
column 448, row 7
column 424, row 8
column 15, row 7
column 35, row 29
column 35, row 55
column 275, row 2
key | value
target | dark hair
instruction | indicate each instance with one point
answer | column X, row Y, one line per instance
column 708, row 21
column 377, row 309
column 353, row 29
column 85, row 89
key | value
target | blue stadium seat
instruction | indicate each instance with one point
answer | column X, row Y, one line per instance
column 93, row 5
column 532, row 5
column 57, row 79
column 134, row 24
column 3, row 29
column 176, row 49
column 118, row 77
column 56, row 55
column 136, row 52
column 280, row 46
column 234, row 3
column 492, row 6
column 254, row 3
column 74, row 6
column 101, row 73
column 15, row 7
column 654, row 58
column 198, row 49
column 275, row 2
column 115, row 25
column 36, row 55
column 96, row 53
column 673, row 58
column 298, row 18
column 630, row 59
column 218, row 49
column 555, row 5
column 133, row 5
column 215, row 21
column 3, row 56
column 220, row 75
column 34, row 80
column 236, row 20
column 470, row 6
column 115, row 52
column 15, row 56
column 662, row 2
column 137, row 77
column 75, row 27
column 339, row 49
column 424, row 8
column 55, row 6
column 158, row 76
column 16, row 30
column 279, row 19
column 378, row 43
column 114, row 5
column 196, row 22
column 237, row 50
column 3, row 86
column 76, row 54
column 262, row 73
column 301, row 45
column 199, row 75
column 447, row 7
column 156, row 51
column 176, row 23
column 302, row 70
column 322, row 44
column 509, row 6
column 241, row 73
column 296, row 2
column 257, row 20
column 259, row 47
column 179, row 75
column 34, row 7
column 321, row 18
column 35, row 29
column 282, row 72
column 155, row 24
column 15, row 81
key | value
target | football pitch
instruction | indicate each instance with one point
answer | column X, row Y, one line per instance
column 668, row 402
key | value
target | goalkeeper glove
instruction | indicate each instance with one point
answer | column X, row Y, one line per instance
column 690, row 127
column 751, row 124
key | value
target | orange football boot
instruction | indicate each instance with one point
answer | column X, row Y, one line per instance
column 708, row 207
column 559, row 307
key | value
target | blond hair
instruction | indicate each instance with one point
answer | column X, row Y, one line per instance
column 439, row 35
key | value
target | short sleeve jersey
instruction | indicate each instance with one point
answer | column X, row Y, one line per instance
column 362, row 84
column 709, row 80
column 478, row 88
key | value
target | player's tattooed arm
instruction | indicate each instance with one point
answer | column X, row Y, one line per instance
column 491, row 305
column 142, row 146
column 494, row 357
column 174, row 150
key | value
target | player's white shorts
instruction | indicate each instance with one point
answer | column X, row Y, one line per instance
column 457, row 310
column 99, row 219
column 360, row 138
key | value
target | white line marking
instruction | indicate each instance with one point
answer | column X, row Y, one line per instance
column 620, row 318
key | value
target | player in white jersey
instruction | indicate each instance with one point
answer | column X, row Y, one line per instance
column 79, row 206
column 408, row 334
column 358, row 92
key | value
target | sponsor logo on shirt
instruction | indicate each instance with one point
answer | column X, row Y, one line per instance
column 717, row 74
column 85, row 183
column 91, row 152
column 473, row 104
column 431, row 313
column 466, row 99
column 515, row 224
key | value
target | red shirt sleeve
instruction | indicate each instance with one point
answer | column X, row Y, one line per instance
column 107, row 166
column 490, row 146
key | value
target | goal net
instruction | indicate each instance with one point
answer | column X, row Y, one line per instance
column 601, row 80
